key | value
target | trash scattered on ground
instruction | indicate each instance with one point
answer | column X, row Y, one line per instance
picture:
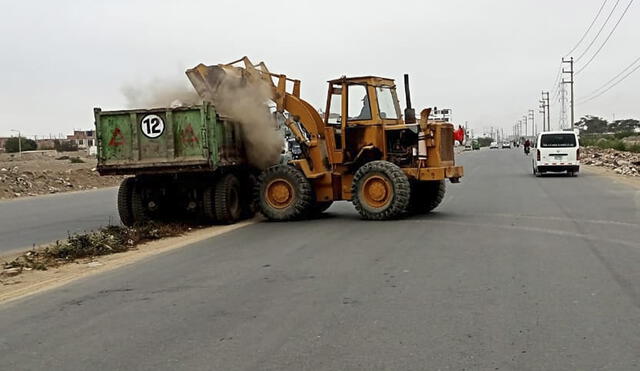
column 108, row 240
column 623, row 163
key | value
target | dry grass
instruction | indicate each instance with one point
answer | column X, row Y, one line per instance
column 108, row 240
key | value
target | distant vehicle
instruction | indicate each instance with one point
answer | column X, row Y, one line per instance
column 506, row 145
column 475, row 144
column 494, row 145
column 556, row 151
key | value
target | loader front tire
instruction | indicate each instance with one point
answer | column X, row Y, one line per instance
column 381, row 191
column 227, row 204
column 284, row 193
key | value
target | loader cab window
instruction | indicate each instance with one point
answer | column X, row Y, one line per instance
column 387, row 103
column 359, row 104
column 335, row 110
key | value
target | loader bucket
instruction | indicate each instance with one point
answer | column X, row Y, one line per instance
column 207, row 79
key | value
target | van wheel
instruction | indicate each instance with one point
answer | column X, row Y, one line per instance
column 227, row 202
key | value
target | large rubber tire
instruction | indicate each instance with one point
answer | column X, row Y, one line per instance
column 208, row 204
column 426, row 196
column 284, row 193
column 381, row 191
column 228, row 205
column 124, row 201
column 138, row 207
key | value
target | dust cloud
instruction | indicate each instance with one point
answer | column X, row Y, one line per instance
column 246, row 104
column 160, row 93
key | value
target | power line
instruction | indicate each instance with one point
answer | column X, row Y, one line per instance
column 588, row 29
column 612, row 86
column 611, row 80
column 608, row 37
column 599, row 32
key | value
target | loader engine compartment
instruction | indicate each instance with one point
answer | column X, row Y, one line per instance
column 402, row 146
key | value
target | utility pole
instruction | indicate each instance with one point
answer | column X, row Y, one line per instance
column 532, row 117
column 544, row 115
column 546, row 95
column 563, row 105
column 526, row 123
column 570, row 81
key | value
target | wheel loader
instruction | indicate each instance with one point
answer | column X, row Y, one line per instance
column 361, row 149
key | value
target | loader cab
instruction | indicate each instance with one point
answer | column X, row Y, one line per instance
column 357, row 109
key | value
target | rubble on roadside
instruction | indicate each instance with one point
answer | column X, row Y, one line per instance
column 105, row 241
column 46, row 173
column 623, row 163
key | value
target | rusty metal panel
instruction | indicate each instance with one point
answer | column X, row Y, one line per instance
column 162, row 138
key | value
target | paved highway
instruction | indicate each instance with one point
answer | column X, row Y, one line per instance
column 38, row 220
column 511, row 273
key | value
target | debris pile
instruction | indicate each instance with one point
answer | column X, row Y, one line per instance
column 623, row 163
column 108, row 240
column 38, row 174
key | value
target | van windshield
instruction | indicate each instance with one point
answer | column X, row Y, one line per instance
column 558, row 140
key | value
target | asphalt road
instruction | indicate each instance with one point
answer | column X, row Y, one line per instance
column 38, row 220
column 512, row 272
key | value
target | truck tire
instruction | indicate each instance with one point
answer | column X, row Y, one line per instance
column 228, row 205
column 381, row 191
column 124, row 201
column 284, row 193
column 138, row 205
column 426, row 196
column 208, row 204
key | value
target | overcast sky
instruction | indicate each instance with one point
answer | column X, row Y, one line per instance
column 487, row 60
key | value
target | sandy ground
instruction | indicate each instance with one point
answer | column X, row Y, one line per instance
column 46, row 172
column 32, row 282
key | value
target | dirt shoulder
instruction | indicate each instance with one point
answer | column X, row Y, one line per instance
column 33, row 282
column 47, row 172
column 603, row 171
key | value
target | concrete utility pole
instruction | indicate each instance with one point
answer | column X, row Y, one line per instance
column 532, row 117
column 544, row 116
column 526, row 122
column 545, row 108
column 570, row 81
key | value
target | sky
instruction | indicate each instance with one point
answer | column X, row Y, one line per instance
column 486, row 60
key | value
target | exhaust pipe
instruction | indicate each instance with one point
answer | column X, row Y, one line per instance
column 409, row 112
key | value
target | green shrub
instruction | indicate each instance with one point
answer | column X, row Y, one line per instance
column 11, row 145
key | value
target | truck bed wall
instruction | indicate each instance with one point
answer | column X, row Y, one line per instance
column 193, row 139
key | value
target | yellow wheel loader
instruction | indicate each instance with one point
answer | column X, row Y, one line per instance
column 362, row 149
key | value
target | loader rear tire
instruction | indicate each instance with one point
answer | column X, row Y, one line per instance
column 124, row 201
column 227, row 202
column 426, row 196
column 381, row 191
column 284, row 193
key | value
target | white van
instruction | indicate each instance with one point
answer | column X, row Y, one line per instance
column 556, row 151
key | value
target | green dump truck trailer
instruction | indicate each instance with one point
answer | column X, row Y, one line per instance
column 186, row 161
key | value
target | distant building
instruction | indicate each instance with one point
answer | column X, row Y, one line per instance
column 3, row 141
column 45, row 144
column 83, row 138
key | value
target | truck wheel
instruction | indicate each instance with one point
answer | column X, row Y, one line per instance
column 208, row 204
column 284, row 193
column 380, row 191
column 426, row 196
column 227, row 202
column 124, row 201
column 138, row 205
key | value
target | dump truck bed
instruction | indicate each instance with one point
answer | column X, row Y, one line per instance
column 165, row 140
